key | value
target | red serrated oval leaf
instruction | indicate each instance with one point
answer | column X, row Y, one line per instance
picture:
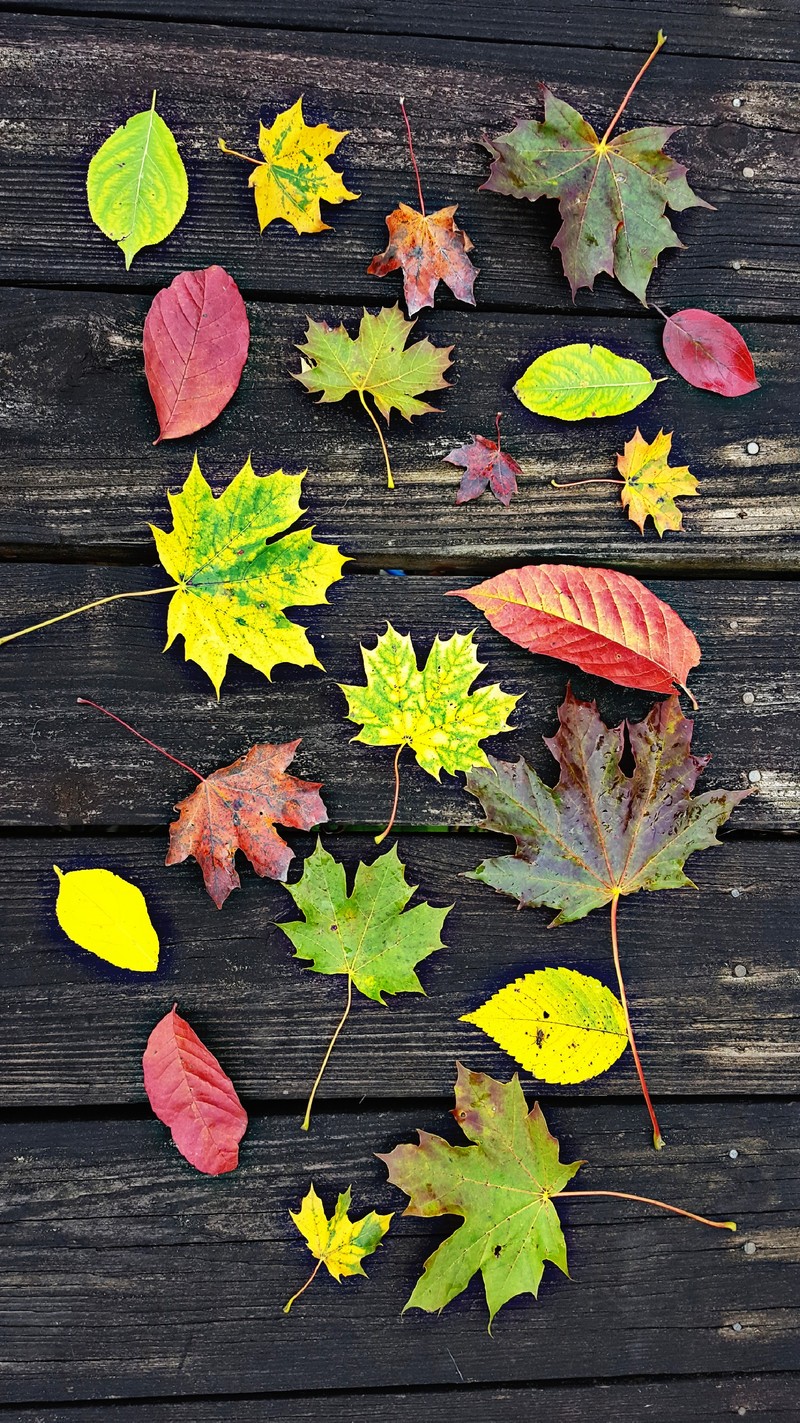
column 709, row 353
column 195, row 342
column 606, row 623
column 190, row 1093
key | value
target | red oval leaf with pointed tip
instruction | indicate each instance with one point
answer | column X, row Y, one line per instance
column 190, row 1093
column 195, row 342
column 709, row 353
column 605, row 622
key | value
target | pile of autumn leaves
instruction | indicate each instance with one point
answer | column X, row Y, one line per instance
column 622, row 816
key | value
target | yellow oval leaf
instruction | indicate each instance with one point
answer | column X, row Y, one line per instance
column 559, row 1025
column 107, row 916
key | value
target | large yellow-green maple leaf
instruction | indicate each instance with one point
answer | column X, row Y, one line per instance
column 295, row 177
column 234, row 575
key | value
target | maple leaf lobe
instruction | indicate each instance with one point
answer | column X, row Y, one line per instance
column 237, row 808
column 429, row 248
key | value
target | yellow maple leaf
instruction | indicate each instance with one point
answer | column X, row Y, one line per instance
column 650, row 485
column 294, row 176
column 339, row 1243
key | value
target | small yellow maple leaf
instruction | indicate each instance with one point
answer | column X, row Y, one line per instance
column 294, row 176
column 339, row 1243
column 650, row 484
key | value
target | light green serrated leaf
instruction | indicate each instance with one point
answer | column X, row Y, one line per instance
column 137, row 185
column 233, row 585
column 582, row 382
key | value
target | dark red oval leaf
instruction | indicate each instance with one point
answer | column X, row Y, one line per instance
column 190, row 1093
column 195, row 342
column 709, row 353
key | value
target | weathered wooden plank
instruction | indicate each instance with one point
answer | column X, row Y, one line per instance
column 712, row 977
column 73, row 79
column 62, row 765
column 127, row 1274
column 678, row 1400
column 723, row 27
column 82, row 472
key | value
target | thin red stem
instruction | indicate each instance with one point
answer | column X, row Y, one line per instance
column 413, row 158
column 497, row 419
column 302, row 1289
column 86, row 702
column 620, row 111
column 380, row 838
column 658, row 1140
column 576, row 483
column 649, row 1201
column 661, row 313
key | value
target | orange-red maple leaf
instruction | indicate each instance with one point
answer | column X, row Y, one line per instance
column 236, row 808
column 429, row 249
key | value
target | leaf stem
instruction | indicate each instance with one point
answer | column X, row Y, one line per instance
column 620, row 111
column 497, row 420
column 84, row 608
column 649, row 1201
column 87, row 702
column 661, row 313
column 658, row 1140
column 234, row 153
column 302, row 1288
column 413, row 158
column 331, row 1045
column 576, row 483
column 373, row 418
column 379, row 839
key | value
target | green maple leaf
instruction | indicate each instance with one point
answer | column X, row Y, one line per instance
column 368, row 935
column 502, row 1186
column 233, row 584
column 612, row 193
column 376, row 362
column 433, row 710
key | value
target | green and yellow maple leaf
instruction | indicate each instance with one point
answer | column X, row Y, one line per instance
column 503, row 1186
column 433, row 710
column 376, row 362
column 294, row 176
column 232, row 584
column 651, row 485
column 368, row 935
column 340, row 1244
column 612, row 192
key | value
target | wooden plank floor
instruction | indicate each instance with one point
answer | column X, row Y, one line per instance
column 133, row 1290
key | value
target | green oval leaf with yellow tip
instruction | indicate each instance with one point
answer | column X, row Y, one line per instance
column 137, row 185
column 107, row 916
column 558, row 1024
column 583, row 382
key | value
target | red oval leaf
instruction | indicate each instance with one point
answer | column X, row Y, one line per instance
column 195, row 341
column 190, row 1093
column 709, row 353
column 604, row 622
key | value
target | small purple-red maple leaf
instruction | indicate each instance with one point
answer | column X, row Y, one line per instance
column 485, row 464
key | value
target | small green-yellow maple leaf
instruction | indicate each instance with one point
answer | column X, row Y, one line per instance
column 340, row 1244
column 432, row 710
column 367, row 935
column 295, row 177
column 376, row 362
column 650, row 484
column 232, row 584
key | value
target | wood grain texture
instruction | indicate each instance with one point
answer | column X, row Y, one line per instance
column 158, row 1282
column 73, row 81
column 725, row 27
column 74, row 1028
column 674, row 1400
column 81, row 472
column 61, row 764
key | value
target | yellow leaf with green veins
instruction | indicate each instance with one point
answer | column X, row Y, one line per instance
column 232, row 584
column 651, row 486
column 583, row 382
column 559, row 1025
column 294, row 177
column 340, row 1244
column 431, row 710
column 107, row 916
column 137, row 185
